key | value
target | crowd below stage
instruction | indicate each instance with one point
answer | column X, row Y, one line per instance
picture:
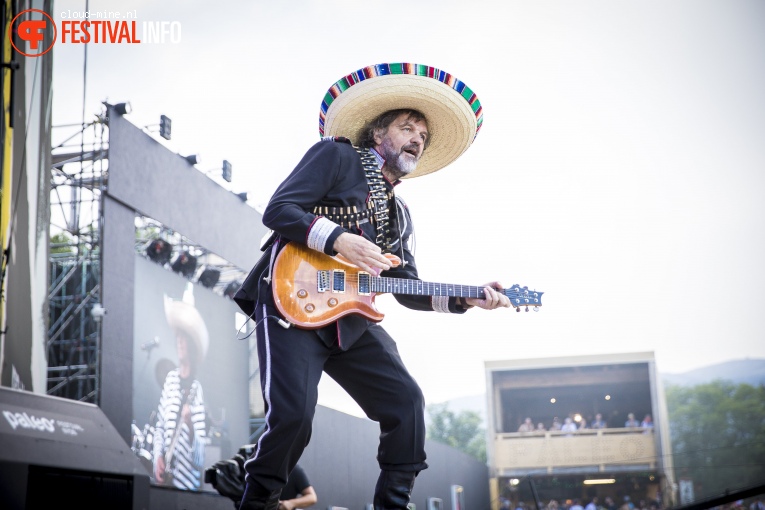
column 576, row 423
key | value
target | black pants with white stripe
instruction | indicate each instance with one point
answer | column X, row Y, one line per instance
column 371, row 371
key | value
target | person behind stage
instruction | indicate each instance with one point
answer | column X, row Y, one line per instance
column 599, row 422
column 406, row 120
column 647, row 424
column 227, row 476
column 298, row 493
column 180, row 431
column 631, row 422
column 568, row 426
column 526, row 426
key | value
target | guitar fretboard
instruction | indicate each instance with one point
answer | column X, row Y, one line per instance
column 518, row 295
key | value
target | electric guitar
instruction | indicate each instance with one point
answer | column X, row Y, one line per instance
column 312, row 289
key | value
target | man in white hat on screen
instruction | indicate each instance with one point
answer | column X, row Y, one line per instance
column 379, row 125
column 179, row 443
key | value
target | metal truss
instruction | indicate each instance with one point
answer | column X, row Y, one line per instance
column 78, row 178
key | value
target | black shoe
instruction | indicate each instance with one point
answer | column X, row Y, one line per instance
column 394, row 489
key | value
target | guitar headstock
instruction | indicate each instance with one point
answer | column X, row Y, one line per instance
column 523, row 297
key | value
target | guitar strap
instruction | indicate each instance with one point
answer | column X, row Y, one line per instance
column 379, row 198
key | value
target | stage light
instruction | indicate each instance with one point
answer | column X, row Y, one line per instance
column 165, row 127
column 599, row 481
column 123, row 108
column 242, row 196
column 231, row 289
column 159, row 251
column 185, row 263
column 193, row 159
column 226, row 171
column 209, row 277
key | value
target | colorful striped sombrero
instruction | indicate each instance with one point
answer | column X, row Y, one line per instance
column 451, row 108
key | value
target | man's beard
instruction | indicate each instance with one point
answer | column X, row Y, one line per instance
column 399, row 163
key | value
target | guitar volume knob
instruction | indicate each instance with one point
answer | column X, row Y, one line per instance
column 309, row 308
column 302, row 293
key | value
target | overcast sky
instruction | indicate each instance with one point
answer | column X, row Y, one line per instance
column 620, row 168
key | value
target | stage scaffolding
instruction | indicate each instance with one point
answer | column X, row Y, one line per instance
column 79, row 175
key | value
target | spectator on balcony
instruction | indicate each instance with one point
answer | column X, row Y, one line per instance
column 576, row 505
column 556, row 424
column 609, row 503
column 631, row 422
column 541, row 428
column 598, row 422
column 568, row 426
column 527, row 426
column 647, row 424
column 553, row 505
column 593, row 504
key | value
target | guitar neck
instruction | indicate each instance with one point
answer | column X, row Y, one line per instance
column 518, row 295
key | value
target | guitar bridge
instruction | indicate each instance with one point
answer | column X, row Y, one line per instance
column 322, row 281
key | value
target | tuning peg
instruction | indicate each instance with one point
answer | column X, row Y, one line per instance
column 518, row 309
column 527, row 308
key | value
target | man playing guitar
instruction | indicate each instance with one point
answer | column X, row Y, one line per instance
column 180, row 431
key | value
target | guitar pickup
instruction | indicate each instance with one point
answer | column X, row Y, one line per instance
column 364, row 287
column 322, row 281
column 338, row 280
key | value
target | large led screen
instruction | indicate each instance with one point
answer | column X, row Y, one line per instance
column 191, row 384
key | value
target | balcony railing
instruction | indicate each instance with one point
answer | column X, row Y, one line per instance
column 601, row 449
